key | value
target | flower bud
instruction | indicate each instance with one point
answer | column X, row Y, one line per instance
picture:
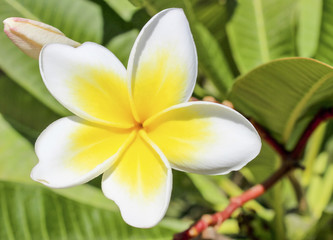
column 30, row 36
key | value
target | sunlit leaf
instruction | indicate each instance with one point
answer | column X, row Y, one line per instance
column 212, row 60
column 121, row 45
column 320, row 185
column 282, row 94
column 260, row 31
column 16, row 154
column 309, row 27
column 325, row 45
column 209, row 190
column 34, row 212
column 123, row 7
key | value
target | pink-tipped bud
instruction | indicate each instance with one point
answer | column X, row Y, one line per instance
column 30, row 36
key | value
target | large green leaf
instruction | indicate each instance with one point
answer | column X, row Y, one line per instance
column 212, row 60
column 16, row 154
column 33, row 212
column 23, row 111
column 211, row 13
column 113, row 23
column 325, row 46
column 61, row 14
column 284, row 95
column 122, row 44
column 309, row 27
column 260, row 31
column 123, row 7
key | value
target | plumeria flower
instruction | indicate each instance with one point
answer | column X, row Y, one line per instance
column 134, row 126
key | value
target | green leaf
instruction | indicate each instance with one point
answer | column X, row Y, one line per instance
column 113, row 23
column 260, row 31
column 277, row 204
column 212, row 60
column 209, row 190
column 33, row 212
column 311, row 152
column 211, row 13
column 325, row 46
column 123, row 7
column 137, row 3
column 24, row 112
column 122, row 44
column 25, row 72
column 61, row 14
column 16, row 154
column 263, row 166
column 309, row 27
column 320, row 185
column 284, row 95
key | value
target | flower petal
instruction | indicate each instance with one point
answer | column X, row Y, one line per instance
column 72, row 151
column 140, row 183
column 88, row 80
column 163, row 64
column 204, row 137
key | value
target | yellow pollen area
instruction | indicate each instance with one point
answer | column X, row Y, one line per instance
column 140, row 169
column 103, row 94
column 159, row 83
column 180, row 134
column 92, row 144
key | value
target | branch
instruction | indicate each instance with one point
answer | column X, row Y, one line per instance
column 279, row 148
column 299, row 192
column 236, row 202
column 320, row 117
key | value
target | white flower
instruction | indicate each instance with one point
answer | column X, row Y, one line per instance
column 135, row 125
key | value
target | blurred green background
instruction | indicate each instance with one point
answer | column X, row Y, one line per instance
column 248, row 53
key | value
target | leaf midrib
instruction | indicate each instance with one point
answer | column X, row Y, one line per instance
column 296, row 112
column 262, row 36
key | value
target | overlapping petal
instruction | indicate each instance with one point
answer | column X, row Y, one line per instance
column 89, row 81
column 163, row 64
column 72, row 151
column 204, row 137
column 140, row 182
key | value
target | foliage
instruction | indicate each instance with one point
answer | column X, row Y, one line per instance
column 250, row 52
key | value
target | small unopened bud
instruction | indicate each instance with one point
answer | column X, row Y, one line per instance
column 30, row 36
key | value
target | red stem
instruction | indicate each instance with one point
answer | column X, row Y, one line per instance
column 321, row 116
column 279, row 148
column 235, row 202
